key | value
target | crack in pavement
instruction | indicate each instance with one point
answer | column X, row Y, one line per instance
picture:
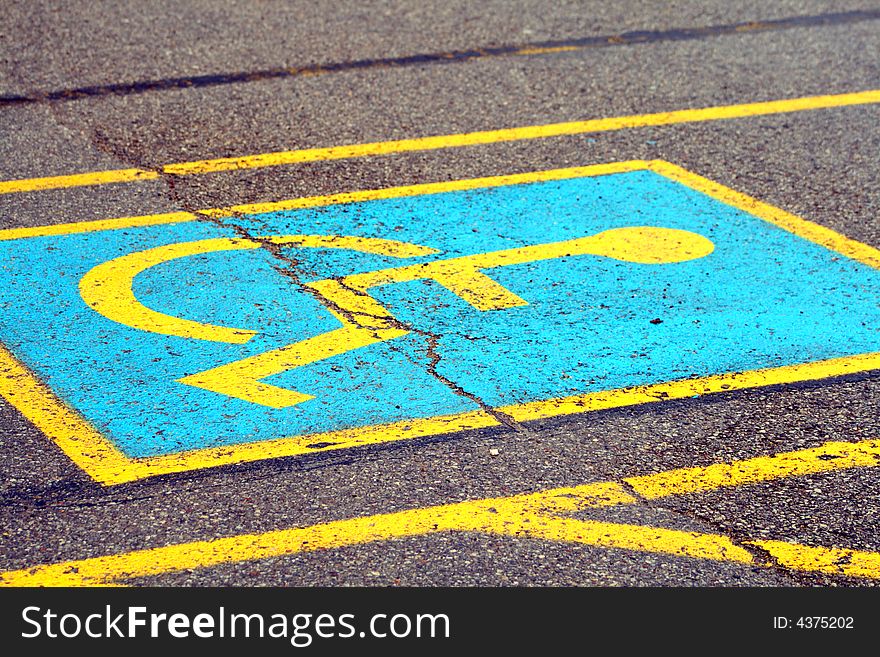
column 432, row 344
column 291, row 268
column 762, row 557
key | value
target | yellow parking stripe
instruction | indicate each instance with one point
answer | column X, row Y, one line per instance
column 828, row 457
column 281, row 158
column 832, row 561
column 76, row 180
column 531, row 515
column 95, row 226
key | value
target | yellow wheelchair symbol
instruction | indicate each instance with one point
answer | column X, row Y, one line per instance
column 107, row 289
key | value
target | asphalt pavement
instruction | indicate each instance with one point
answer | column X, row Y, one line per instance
column 117, row 86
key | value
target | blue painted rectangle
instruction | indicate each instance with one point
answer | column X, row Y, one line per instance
column 763, row 298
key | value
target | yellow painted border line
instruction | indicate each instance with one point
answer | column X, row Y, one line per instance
column 95, row 226
column 281, row 158
column 77, row 180
column 105, row 463
column 82, row 443
column 793, row 224
column 325, row 200
column 696, row 387
column 541, row 515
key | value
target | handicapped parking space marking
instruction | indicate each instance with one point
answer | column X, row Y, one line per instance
column 543, row 515
column 108, row 289
column 146, row 348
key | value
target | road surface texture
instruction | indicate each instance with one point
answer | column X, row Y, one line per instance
column 768, row 480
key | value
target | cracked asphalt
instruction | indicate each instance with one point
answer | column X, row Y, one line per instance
column 818, row 164
column 293, row 269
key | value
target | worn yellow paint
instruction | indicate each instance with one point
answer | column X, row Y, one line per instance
column 525, row 133
column 365, row 321
column 828, row 457
column 202, row 554
column 281, row 158
column 832, row 561
column 542, row 515
column 76, row 180
column 95, row 226
column 107, row 288
column 549, row 50
column 100, row 458
column 685, row 388
column 696, row 545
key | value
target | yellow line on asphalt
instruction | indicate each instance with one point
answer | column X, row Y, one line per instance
column 828, row 457
column 531, row 515
column 281, row 158
column 76, row 180
column 548, row 50
column 832, row 561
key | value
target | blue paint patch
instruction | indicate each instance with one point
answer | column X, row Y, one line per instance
column 763, row 298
